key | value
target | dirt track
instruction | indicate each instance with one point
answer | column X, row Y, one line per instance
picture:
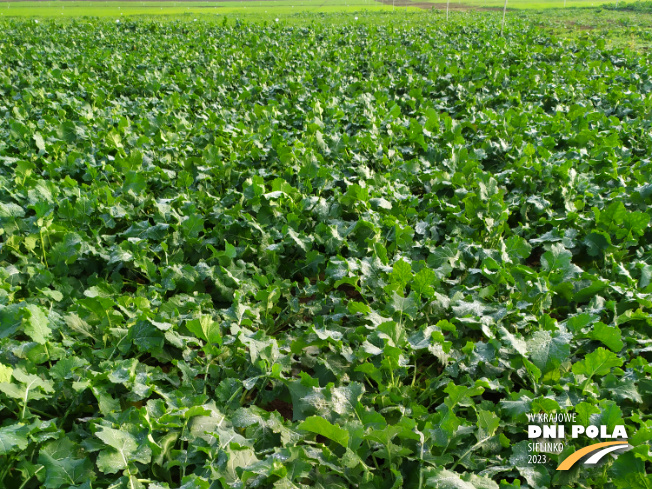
column 452, row 6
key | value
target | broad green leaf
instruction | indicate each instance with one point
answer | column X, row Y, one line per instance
column 64, row 464
column 537, row 476
column 557, row 262
column 599, row 362
column 445, row 479
column 324, row 428
column 30, row 386
column 628, row 472
column 5, row 373
column 517, row 248
column 40, row 143
column 584, row 412
column 406, row 306
column 13, row 438
column 609, row 336
column 548, row 349
column 401, row 273
column 487, row 424
column 460, row 395
column 532, row 369
column 36, row 324
column 622, row 389
column 206, row 329
column 123, row 449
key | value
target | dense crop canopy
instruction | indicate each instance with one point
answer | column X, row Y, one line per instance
column 322, row 256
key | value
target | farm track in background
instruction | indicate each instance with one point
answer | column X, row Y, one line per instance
column 453, row 6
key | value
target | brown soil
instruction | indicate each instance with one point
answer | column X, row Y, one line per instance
column 575, row 25
column 407, row 3
column 284, row 408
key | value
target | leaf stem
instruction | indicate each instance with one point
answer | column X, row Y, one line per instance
column 28, row 479
column 22, row 413
column 42, row 413
column 7, row 468
column 469, row 451
column 45, row 260
column 421, row 460
column 414, row 376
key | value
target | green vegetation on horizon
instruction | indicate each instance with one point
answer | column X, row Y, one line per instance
column 628, row 26
column 260, row 8
column 332, row 255
column 264, row 8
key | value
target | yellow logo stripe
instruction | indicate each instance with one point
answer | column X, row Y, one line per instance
column 571, row 459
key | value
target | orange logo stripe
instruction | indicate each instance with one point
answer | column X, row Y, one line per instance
column 571, row 459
